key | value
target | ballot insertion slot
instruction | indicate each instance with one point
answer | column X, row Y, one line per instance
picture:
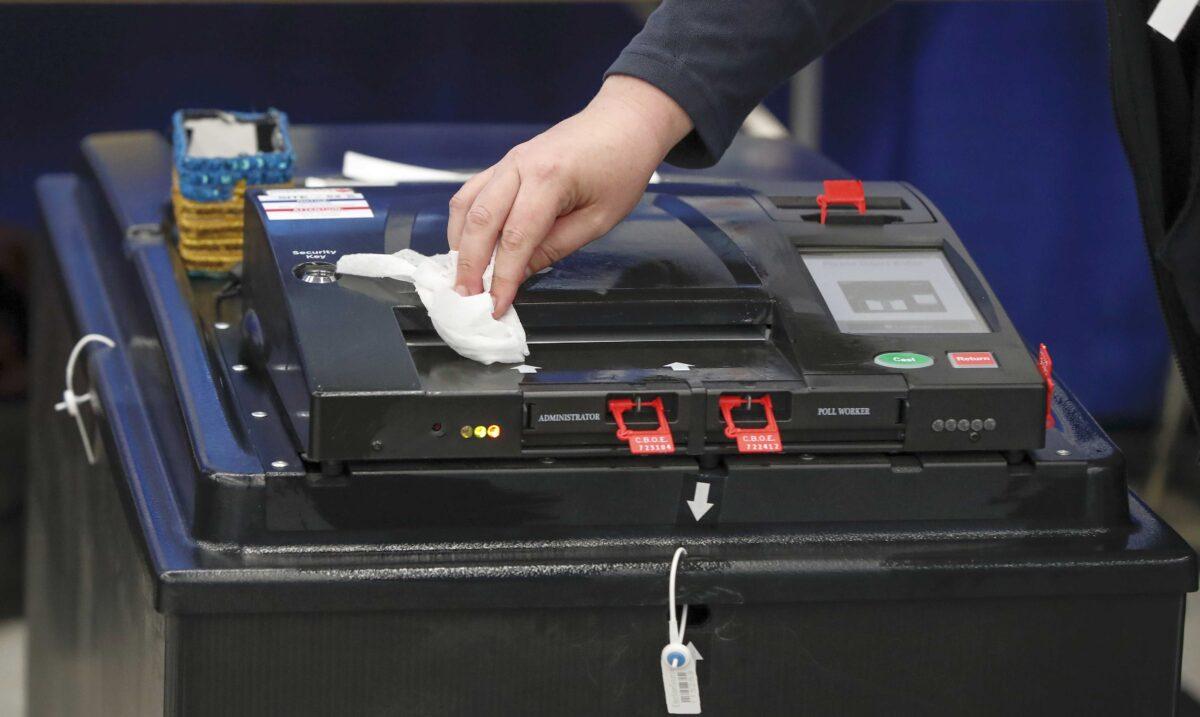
column 885, row 203
column 678, row 315
column 642, row 413
column 750, row 412
column 622, row 335
column 880, row 211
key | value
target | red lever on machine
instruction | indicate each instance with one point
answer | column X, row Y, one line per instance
column 842, row 192
column 1045, row 366
column 751, row 440
column 648, row 442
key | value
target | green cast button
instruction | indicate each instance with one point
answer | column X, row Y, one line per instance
column 903, row 359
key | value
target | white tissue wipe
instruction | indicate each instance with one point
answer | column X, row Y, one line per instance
column 465, row 323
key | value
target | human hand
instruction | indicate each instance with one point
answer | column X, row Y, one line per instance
column 563, row 188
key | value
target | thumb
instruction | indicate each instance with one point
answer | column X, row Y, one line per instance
column 569, row 233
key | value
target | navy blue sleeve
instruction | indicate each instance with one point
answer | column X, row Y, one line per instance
column 720, row 58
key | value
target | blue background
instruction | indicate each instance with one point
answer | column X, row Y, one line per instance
column 999, row 111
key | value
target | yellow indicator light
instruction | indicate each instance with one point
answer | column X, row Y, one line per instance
column 480, row 431
column 493, row 431
column 465, row 431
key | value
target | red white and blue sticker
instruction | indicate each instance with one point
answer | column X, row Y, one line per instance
column 327, row 203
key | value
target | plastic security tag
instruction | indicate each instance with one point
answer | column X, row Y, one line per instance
column 680, row 685
column 751, row 440
column 759, row 442
column 72, row 401
column 641, row 444
column 678, row 661
column 657, row 440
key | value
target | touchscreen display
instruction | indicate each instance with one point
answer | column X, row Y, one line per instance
column 894, row 292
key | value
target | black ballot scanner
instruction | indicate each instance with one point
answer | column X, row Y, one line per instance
column 280, row 492
column 757, row 339
column 715, row 320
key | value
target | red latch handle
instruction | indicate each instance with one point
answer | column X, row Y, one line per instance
column 751, row 440
column 842, row 192
column 1045, row 366
column 644, row 442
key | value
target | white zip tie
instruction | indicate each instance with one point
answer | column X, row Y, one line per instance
column 676, row 627
column 677, row 661
column 71, row 400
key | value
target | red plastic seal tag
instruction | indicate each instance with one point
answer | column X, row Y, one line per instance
column 759, row 442
column 752, row 440
column 1045, row 366
column 644, row 443
column 842, row 192
column 655, row 441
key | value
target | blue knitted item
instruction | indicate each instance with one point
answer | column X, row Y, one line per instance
column 212, row 179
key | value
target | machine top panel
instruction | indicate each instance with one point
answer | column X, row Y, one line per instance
column 857, row 329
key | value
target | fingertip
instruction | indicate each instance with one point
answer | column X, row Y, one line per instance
column 502, row 300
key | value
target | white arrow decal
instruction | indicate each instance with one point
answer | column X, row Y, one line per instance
column 699, row 504
column 526, row 368
column 695, row 653
column 679, row 366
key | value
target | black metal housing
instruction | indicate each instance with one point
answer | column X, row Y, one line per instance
column 707, row 275
column 186, row 574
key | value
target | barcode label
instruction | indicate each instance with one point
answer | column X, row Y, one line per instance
column 680, row 686
column 685, row 691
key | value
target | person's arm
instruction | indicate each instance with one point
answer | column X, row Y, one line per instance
column 679, row 92
column 719, row 58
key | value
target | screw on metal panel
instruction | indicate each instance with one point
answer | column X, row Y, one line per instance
column 239, row 367
column 144, row 234
column 377, row 445
column 259, row 414
column 1063, row 452
column 221, row 326
column 279, row 464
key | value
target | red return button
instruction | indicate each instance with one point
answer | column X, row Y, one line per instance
column 972, row 359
